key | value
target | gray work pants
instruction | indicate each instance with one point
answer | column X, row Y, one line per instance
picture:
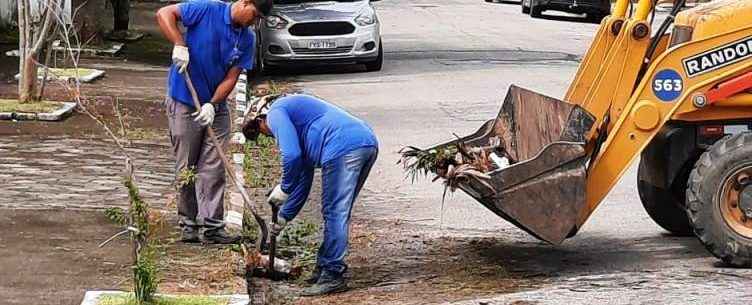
column 200, row 203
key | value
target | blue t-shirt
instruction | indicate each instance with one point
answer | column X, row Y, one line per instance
column 215, row 45
column 311, row 132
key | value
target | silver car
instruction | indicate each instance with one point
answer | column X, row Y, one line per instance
column 320, row 32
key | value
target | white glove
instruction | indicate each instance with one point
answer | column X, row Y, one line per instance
column 279, row 225
column 278, row 196
column 205, row 116
column 180, row 57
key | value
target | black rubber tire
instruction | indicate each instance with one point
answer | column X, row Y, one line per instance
column 378, row 63
column 489, row 1
column 525, row 9
column 664, row 207
column 703, row 207
column 536, row 11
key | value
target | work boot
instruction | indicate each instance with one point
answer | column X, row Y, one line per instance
column 220, row 236
column 315, row 275
column 189, row 235
column 327, row 283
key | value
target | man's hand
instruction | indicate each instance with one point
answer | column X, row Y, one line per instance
column 180, row 57
column 279, row 225
column 277, row 196
column 205, row 116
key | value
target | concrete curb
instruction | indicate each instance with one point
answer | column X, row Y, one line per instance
column 234, row 217
column 92, row 297
column 56, row 115
column 95, row 73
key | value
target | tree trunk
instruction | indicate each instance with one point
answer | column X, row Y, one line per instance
column 121, row 14
column 28, row 80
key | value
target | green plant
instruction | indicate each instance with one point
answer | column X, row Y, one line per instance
column 300, row 242
column 144, row 267
column 187, row 176
column 417, row 162
column 116, row 215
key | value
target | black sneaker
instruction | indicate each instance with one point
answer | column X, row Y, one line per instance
column 220, row 236
column 328, row 283
column 189, row 235
column 315, row 275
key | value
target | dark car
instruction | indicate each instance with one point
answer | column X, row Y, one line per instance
column 596, row 10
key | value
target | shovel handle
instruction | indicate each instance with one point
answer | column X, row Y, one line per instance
column 273, row 242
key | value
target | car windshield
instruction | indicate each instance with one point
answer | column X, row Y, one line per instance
column 309, row 1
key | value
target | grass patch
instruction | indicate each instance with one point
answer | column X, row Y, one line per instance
column 128, row 299
column 12, row 105
column 262, row 163
column 65, row 73
column 300, row 242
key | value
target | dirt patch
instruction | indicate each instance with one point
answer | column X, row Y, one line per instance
column 144, row 119
column 51, row 256
column 394, row 263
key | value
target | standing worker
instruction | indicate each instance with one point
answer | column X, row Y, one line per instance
column 218, row 45
column 312, row 133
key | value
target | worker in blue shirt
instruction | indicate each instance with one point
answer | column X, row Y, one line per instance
column 312, row 133
column 216, row 47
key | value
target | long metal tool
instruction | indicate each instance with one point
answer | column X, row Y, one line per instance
column 273, row 242
column 263, row 230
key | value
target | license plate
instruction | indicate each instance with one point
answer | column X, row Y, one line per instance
column 322, row 44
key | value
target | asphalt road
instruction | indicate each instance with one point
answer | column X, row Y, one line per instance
column 447, row 67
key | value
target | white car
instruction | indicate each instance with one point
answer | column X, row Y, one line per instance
column 300, row 32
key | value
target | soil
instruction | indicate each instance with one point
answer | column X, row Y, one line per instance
column 51, row 257
column 396, row 263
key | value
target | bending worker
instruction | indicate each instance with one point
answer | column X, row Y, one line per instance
column 217, row 46
column 312, row 133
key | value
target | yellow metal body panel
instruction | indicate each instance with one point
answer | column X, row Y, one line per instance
column 716, row 17
column 615, row 82
column 593, row 60
column 595, row 57
column 629, row 135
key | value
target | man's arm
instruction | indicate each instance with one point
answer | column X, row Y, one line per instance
column 298, row 197
column 289, row 146
column 226, row 86
column 168, row 18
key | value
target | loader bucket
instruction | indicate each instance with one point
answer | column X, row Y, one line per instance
column 543, row 189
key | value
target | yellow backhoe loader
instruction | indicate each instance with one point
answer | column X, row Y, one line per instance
column 678, row 96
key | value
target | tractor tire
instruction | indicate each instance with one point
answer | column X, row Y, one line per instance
column 719, row 199
column 536, row 11
column 663, row 206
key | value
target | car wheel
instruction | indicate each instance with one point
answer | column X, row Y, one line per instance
column 535, row 9
column 525, row 8
column 259, row 67
column 376, row 64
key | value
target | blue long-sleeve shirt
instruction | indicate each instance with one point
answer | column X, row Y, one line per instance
column 311, row 132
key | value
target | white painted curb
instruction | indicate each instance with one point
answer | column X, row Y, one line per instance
column 56, row 115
